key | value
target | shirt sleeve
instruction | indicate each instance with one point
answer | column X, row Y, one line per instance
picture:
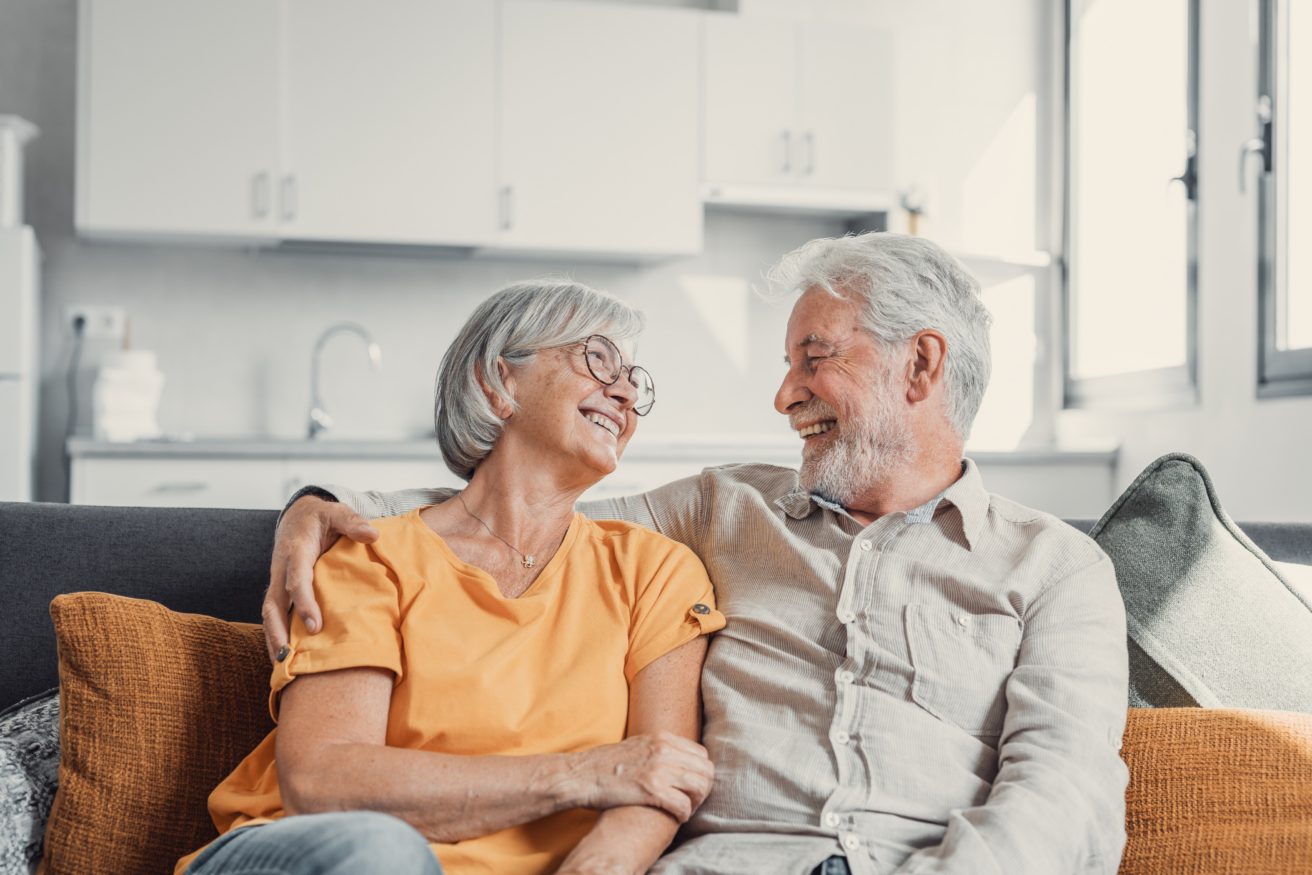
column 1058, row 801
column 673, row 605
column 674, row 510
column 360, row 603
column 372, row 504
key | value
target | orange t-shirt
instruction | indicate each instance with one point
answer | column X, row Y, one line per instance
column 477, row 673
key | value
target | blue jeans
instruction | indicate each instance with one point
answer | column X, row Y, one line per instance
column 835, row 865
column 350, row 843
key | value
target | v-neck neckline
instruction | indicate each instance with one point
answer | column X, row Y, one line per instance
column 549, row 570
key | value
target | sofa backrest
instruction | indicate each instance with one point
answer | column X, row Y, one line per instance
column 213, row 562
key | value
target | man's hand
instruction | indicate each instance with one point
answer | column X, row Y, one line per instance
column 306, row 531
column 661, row 770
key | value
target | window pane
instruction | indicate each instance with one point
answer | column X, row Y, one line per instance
column 1129, row 223
column 1294, row 330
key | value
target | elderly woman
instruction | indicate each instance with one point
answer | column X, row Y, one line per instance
column 500, row 684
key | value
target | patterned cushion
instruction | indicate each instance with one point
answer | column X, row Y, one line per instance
column 29, row 776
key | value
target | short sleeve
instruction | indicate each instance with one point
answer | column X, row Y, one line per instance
column 674, row 604
column 359, row 600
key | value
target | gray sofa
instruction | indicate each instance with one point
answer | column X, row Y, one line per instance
column 213, row 562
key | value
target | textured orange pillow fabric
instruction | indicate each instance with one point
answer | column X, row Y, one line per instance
column 156, row 708
column 1218, row 792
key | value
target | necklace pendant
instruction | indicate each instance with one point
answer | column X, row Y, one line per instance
column 528, row 562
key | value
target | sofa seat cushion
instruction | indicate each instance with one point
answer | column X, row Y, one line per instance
column 1212, row 622
column 157, row 708
column 1218, row 792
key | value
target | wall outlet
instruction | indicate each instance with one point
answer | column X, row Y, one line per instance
column 100, row 323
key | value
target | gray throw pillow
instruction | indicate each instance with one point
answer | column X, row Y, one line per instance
column 1212, row 622
column 29, row 777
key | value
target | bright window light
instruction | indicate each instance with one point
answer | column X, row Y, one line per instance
column 1008, row 407
column 1129, row 222
column 1294, row 330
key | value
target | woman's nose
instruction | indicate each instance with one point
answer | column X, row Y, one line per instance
column 622, row 391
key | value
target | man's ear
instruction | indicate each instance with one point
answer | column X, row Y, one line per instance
column 929, row 352
column 500, row 405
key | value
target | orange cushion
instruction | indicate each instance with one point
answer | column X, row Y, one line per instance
column 1218, row 792
column 156, row 708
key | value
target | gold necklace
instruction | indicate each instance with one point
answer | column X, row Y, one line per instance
column 525, row 559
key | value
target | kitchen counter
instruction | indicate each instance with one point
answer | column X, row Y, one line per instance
column 265, row 472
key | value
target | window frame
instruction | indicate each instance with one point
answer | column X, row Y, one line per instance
column 1160, row 387
column 1280, row 373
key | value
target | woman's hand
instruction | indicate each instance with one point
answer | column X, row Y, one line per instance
column 305, row 532
column 660, row 770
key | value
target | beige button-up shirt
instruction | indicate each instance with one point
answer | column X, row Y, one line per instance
column 942, row 691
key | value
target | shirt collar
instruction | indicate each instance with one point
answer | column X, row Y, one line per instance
column 967, row 495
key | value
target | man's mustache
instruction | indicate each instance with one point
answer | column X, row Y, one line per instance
column 815, row 410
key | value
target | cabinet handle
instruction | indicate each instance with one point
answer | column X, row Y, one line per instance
column 788, row 153
column 809, row 139
column 182, row 486
column 288, row 198
column 260, row 195
column 507, row 207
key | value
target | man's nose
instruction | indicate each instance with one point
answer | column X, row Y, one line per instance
column 792, row 392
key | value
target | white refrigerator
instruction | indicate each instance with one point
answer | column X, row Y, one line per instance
column 19, row 374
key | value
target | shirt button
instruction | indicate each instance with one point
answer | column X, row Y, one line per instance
column 851, row 843
column 847, row 677
column 963, row 620
column 832, row 819
column 282, row 652
column 866, row 545
column 700, row 609
column 842, row 737
column 847, row 616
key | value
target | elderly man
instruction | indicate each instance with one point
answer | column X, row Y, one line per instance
column 916, row 676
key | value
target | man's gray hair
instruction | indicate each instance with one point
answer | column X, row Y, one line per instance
column 906, row 285
column 515, row 323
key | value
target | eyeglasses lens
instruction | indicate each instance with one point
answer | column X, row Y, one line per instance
column 603, row 359
column 606, row 364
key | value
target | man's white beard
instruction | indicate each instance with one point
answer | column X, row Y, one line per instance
column 869, row 444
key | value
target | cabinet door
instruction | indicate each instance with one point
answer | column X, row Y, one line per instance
column 599, row 128
column 128, row 482
column 751, row 100
column 178, row 117
column 847, row 108
column 389, row 116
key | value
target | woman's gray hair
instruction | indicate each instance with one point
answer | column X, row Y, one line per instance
column 515, row 323
column 906, row 285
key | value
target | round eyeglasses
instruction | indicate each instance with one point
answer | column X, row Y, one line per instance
column 606, row 364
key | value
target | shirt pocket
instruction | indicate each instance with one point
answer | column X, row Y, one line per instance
column 962, row 662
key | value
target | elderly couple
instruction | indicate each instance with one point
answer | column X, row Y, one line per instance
column 908, row 673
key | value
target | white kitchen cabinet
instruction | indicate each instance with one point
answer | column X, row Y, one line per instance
column 178, row 482
column 599, row 128
column 178, row 116
column 797, row 114
column 846, row 107
column 750, row 94
column 388, row 121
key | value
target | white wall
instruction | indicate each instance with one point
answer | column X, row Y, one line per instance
column 1256, row 450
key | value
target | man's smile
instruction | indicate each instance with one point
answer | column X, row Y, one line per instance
column 816, row 428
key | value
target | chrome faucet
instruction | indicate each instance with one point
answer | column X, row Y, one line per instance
column 320, row 421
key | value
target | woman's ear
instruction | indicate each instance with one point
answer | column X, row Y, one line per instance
column 499, row 404
column 929, row 350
